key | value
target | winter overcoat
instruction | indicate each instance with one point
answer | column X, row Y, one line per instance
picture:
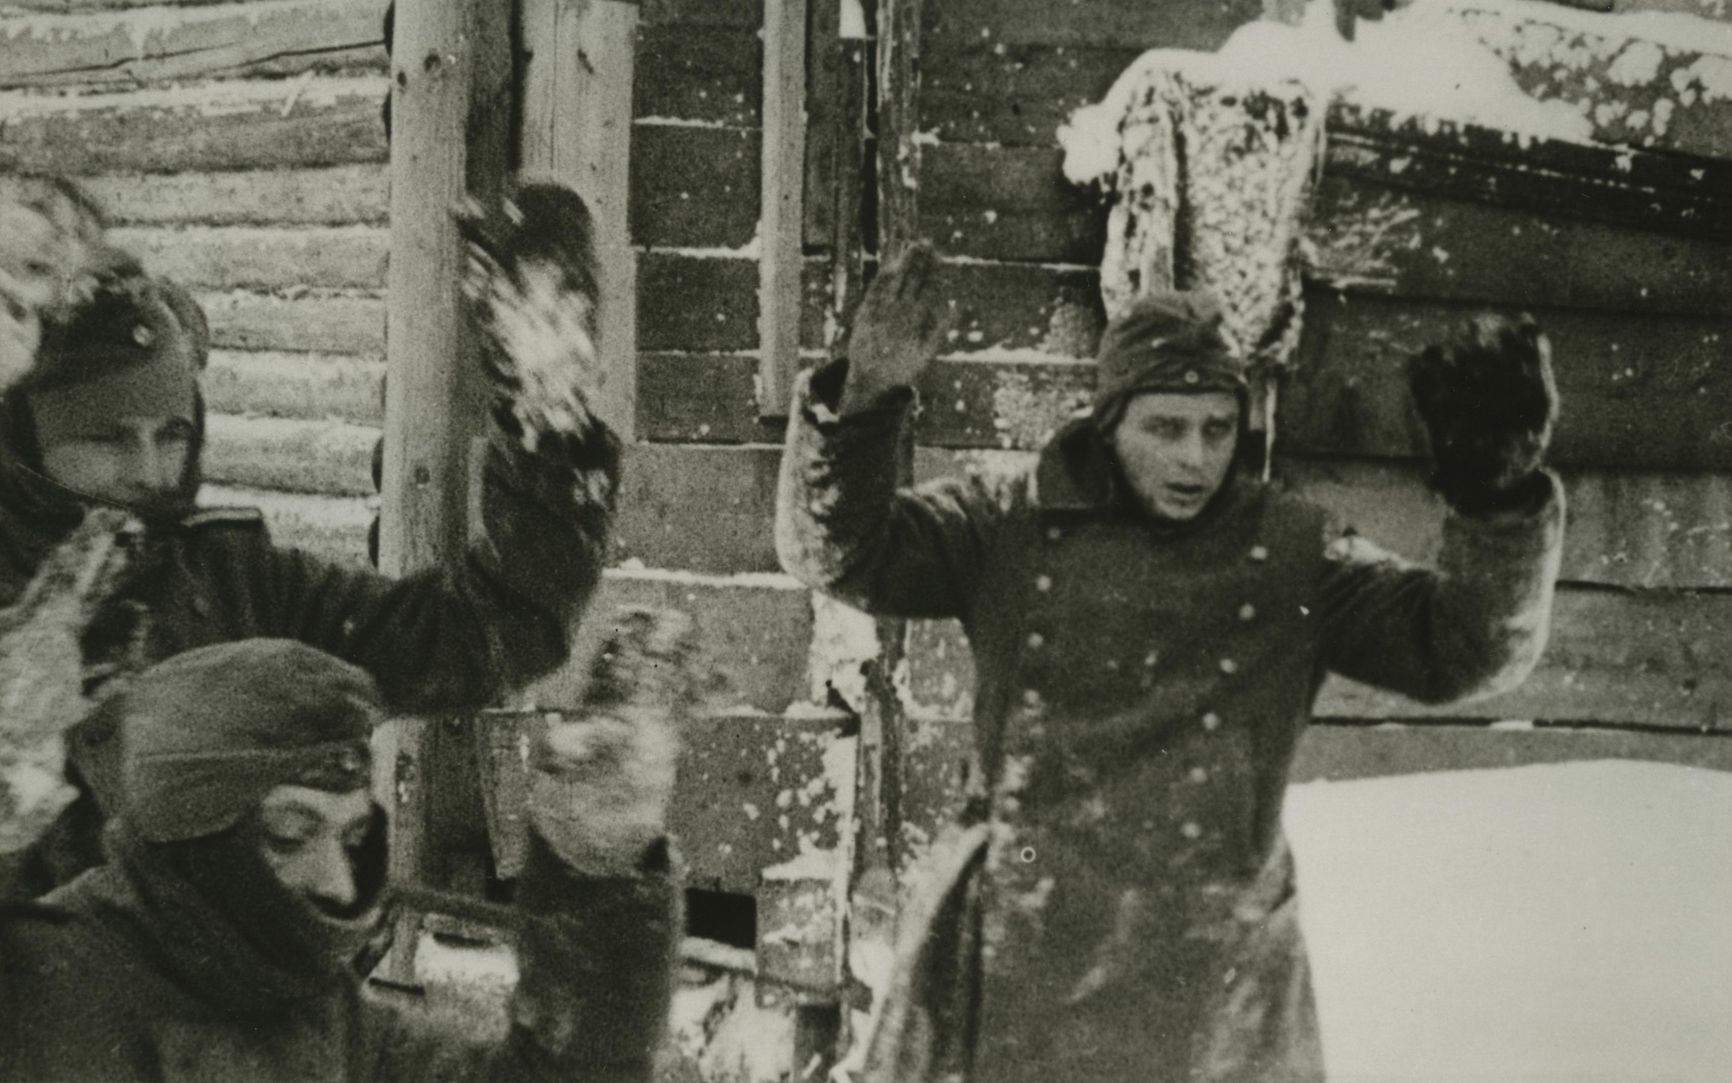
column 445, row 639
column 120, row 977
column 1125, row 909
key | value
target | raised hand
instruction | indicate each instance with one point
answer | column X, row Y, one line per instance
column 899, row 328
column 530, row 282
column 1489, row 403
column 42, row 669
column 601, row 782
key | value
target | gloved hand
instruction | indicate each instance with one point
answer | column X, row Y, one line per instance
column 530, row 281
column 600, row 784
column 1489, row 403
column 898, row 329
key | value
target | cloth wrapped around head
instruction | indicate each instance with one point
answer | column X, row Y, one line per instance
column 210, row 732
column 1167, row 341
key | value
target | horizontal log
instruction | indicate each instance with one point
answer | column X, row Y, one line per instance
column 753, row 791
column 153, row 45
column 1668, row 192
column 1654, row 659
column 332, row 528
column 1416, row 244
column 1330, row 753
column 694, row 187
column 61, row 7
column 1177, row 24
column 1014, row 203
column 311, row 323
column 1638, row 391
column 1627, row 528
column 332, row 458
column 263, row 257
column 713, row 76
column 309, row 386
column 254, row 124
column 336, row 196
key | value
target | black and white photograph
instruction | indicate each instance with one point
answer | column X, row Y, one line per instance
column 866, row 541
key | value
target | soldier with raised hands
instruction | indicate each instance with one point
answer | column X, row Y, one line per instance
column 249, row 865
column 1150, row 627
column 102, row 435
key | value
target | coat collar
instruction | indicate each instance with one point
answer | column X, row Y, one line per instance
column 1076, row 471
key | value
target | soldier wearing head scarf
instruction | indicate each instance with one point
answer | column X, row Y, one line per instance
column 110, row 415
column 1150, row 629
column 249, row 866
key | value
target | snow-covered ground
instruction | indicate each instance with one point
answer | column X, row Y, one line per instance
column 1551, row 923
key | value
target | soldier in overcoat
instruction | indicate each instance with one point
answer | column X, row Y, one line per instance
column 1150, row 628
column 112, row 415
column 250, row 862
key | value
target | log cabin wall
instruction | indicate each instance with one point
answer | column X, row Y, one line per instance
column 238, row 148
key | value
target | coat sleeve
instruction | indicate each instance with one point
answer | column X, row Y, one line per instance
column 596, row 962
column 457, row 637
column 1473, row 626
column 843, row 526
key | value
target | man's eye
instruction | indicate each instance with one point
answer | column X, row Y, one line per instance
column 284, row 844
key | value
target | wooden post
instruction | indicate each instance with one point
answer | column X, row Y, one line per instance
column 451, row 70
column 781, row 219
column 899, row 24
column 577, row 113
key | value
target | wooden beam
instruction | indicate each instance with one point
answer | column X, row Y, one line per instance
column 900, row 25
column 317, row 321
column 451, row 76
column 144, row 46
column 577, row 124
column 781, row 216
column 262, row 257
column 334, row 196
column 237, row 124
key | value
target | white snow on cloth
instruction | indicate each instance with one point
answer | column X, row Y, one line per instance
column 1561, row 922
column 1421, row 61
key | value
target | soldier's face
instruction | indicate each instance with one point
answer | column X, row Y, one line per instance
column 129, row 461
column 1175, row 449
column 311, row 838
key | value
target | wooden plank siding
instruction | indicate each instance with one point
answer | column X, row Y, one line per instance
column 252, row 166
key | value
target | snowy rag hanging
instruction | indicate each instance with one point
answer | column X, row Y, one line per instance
column 1208, row 174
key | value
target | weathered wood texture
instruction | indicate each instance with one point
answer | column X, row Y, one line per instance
column 334, row 196
column 1640, row 391
column 258, row 124
column 155, row 44
column 781, row 218
column 577, row 127
column 263, row 258
column 1627, row 528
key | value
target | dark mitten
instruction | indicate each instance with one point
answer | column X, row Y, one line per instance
column 531, row 285
column 1489, row 402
